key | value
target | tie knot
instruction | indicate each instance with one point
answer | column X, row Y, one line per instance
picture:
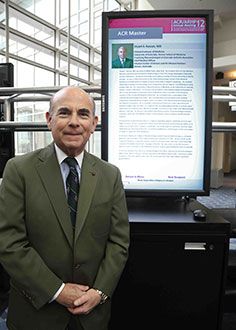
column 71, row 161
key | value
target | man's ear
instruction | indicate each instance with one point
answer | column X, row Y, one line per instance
column 48, row 119
column 95, row 122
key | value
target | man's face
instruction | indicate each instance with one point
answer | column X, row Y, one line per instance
column 71, row 120
column 122, row 53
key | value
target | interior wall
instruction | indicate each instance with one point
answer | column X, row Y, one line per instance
column 224, row 53
column 225, row 39
column 143, row 5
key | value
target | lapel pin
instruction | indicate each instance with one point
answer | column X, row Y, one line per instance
column 93, row 174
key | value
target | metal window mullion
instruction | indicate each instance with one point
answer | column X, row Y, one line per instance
column 68, row 42
column 81, row 80
column 80, row 61
column 47, row 24
column 22, row 59
column 91, row 25
column 30, row 15
column 29, row 38
column 57, row 57
column 81, row 42
column 7, row 30
column 91, row 67
column 49, row 89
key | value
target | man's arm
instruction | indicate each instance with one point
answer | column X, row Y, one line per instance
column 116, row 253
column 22, row 262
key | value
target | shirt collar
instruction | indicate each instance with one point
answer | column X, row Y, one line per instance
column 61, row 156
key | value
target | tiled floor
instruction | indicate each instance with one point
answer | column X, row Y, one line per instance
column 223, row 197
column 229, row 321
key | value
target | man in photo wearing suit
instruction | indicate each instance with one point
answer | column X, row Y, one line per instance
column 122, row 61
column 64, row 256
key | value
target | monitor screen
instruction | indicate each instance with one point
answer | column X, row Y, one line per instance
column 157, row 99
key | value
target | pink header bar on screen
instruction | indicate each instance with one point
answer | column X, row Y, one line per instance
column 169, row 24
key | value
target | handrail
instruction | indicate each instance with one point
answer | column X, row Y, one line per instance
column 28, row 126
column 9, row 95
column 224, row 127
column 224, row 93
column 42, row 126
column 13, row 94
column 41, row 90
column 224, row 89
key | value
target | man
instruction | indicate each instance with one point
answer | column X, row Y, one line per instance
column 122, row 61
column 63, row 274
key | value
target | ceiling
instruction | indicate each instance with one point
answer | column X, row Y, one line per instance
column 226, row 9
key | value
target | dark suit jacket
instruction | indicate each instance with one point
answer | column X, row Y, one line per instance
column 128, row 63
column 37, row 247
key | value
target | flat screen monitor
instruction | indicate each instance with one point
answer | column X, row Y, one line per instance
column 157, row 100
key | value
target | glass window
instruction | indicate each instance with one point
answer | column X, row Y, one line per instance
column 63, row 80
column 76, row 49
column 42, row 139
column 35, row 29
column 2, row 40
column 31, row 112
column 63, row 14
column 21, row 78
column 26, row 4
column 97, row 59
column 76, row 69
column 45, row 9
column 94, row 144
column 98, row 110
column 43, row 78
column 34, row 77
column 2, row 13
column 41, row 8
column 112, row 5
column 23, row 140
column 83, row 30
column 31, row 51
column 97, row 75
column 41, row 69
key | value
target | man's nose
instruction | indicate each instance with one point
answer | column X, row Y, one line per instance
column 74, row 119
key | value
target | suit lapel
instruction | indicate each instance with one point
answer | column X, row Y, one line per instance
column 49, row 171
column 87, row 186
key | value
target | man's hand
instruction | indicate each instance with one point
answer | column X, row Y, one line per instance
column 86, row 302
column 70, row 293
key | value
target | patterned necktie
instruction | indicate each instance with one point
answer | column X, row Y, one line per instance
column 72, row 186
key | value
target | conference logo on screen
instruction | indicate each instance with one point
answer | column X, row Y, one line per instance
column 195, row 25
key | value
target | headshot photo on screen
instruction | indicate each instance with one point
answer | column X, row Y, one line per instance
column 122, row 56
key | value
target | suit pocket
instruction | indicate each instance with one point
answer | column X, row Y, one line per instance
column 101, row 219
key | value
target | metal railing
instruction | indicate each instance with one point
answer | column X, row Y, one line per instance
column 9, row 95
